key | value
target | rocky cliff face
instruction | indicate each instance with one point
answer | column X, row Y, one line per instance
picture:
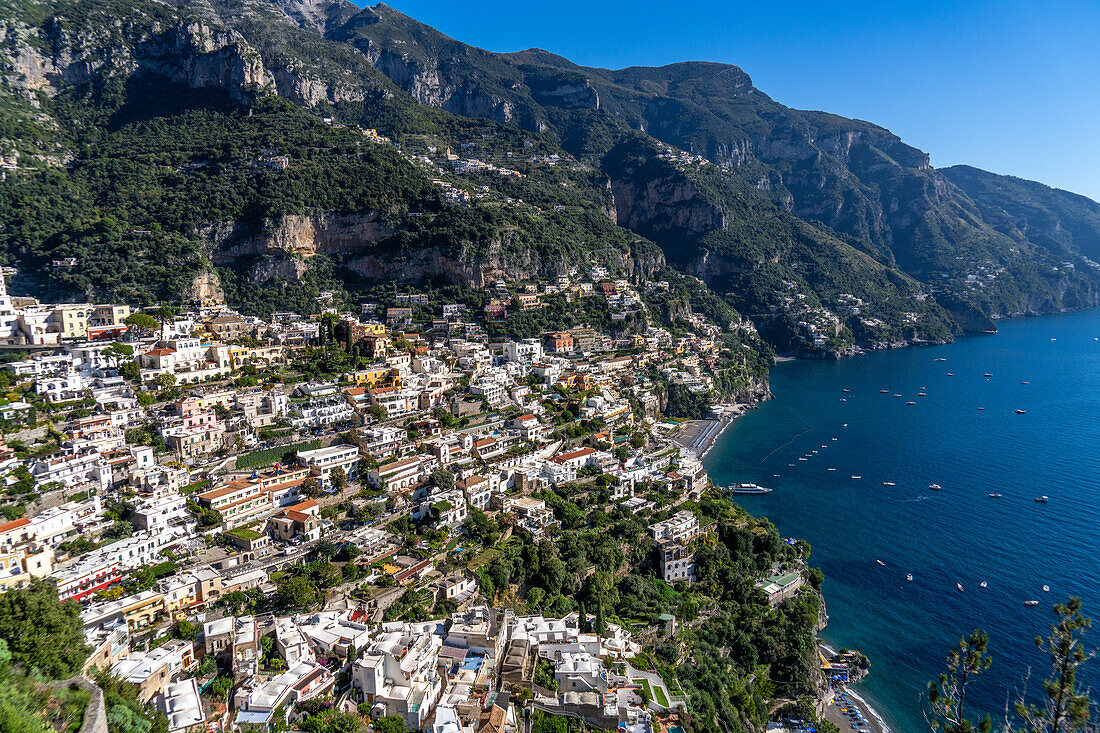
column 295, row 236
column 661, row 206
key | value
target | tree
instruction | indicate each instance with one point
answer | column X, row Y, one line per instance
column 378, row 412
column 947, row 695
column 141, row 321
column 442, row 479
column 129, row 370
column 41, row 631
column 1065, row 708
column 221, row 687
column 339, row 478
column 311, row 488
column 601, row 624
column 297, row 594
column 165, row 380
column 390, row 724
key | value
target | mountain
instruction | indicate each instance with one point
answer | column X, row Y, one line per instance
column 261, row 151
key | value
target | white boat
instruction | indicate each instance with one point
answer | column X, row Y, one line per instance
column 748, row 489
column 880, row 562
column 888, row 483
column 1046, row 589
column 857, row 477
column 959, row 586
column 983, row 584
column 830, row 469
column 801, row 459
column 1031, row 603
column 939, row 358
column 995, row 496
column 935, row 487
column 1042, row 499
column 909, row 577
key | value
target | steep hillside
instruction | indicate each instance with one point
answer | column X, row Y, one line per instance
column 853, row 177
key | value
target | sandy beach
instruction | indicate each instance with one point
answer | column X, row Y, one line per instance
column 700, row 435
column 846, row 699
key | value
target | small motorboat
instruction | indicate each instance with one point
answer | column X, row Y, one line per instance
column 922, row 394
column 910, row 403
column 939, row 358
column 897, row 395
column 845, row 390
column 888, row 483
column 880, row 562
column 981, row 408
column 987, row 374
column 950, row 374
column 1021, row 412
column 935, row 487
column 835, row 438
column 1025, row 382
column 959, row 586
column 909, row 577
column 1042, row 499
column 884, row 391
column 830, row 469
column 995, row 496
column 1046, row 589
column 857, row 478
column 1031, row 603
column 983, row 584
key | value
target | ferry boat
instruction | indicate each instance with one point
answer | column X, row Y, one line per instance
column 995, row 496
column 1042, row 499
column 935, row 487
column 959, row 586
column 1031, row 603
column 748, row 489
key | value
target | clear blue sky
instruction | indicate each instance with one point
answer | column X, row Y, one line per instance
column 1009, row 86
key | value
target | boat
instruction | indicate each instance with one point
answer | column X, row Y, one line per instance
column 987, row 374
column 935, row 487
column 880, row 562
column 909, row 577
column 843, row 399
column 1025, row 382
column 857, row 477
column 981, row 408
column 897, row 395
column 959, row 586
column 939, row 358
column 910, row 403
column 983, row 584
column 995, row 496
column 888, row 483
column 950, row 374
column 884, row 391
column 922, row 394
column 801, row 458
column 830, row 469
column 1021, row 412
column 1042, row 499
column 835, row 438
column 1046, row 589
column 1031, row 603
column 748, row 489
column 845, row 390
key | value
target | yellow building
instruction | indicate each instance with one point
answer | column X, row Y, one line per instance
column 381, row 376
column 71, row 321
column 110, row 315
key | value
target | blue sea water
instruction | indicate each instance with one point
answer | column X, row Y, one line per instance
column 956, row 535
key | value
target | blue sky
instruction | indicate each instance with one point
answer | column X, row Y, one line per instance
column 1012, row 87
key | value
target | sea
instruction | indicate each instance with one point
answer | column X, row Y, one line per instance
column 964, row 434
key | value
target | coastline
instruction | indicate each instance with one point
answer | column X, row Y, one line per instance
column 831, row 708
column 700, row 436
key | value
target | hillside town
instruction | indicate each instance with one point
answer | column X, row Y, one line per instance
column 264, row 520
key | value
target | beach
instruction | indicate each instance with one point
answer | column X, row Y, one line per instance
column 845, row 698
column 701, row 435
